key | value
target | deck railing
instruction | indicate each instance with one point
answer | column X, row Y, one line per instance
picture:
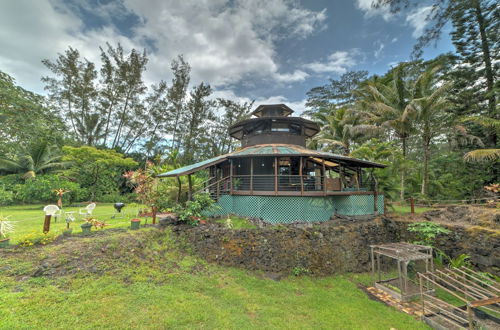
column 291, row 185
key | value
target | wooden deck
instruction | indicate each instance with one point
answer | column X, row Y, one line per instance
column 297, row 193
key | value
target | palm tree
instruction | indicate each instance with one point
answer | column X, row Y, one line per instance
column 427, row 107
column 39, row 157
column 488, row 123
column 90, row 128
column 384, row 104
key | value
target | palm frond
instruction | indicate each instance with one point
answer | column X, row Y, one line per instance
column 482, row 155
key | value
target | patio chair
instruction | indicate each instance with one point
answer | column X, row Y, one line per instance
column 87, row 210
column 52, row 210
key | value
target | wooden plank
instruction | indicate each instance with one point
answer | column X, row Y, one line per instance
column 484, row 302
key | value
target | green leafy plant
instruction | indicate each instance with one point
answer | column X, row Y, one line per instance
column 299, row 271
column 459, row 261
column 426, row 232
column 37, row 239
column 192, row 212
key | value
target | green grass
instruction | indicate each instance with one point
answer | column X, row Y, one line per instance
column 161, row 286
column 29, row 218
column 403, row 209
column 238, row 223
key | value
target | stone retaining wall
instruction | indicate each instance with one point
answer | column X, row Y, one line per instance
column 326, row 248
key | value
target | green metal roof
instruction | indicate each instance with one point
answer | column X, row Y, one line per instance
column 194, row 167
column 271, row 150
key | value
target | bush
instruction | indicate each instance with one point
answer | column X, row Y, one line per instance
column 6, row 197
column 193, row 209
column 37, row 239
column 8, row 182
column 41, row 189
column 116, row 197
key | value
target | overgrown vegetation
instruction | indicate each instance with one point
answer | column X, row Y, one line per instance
column 151, row 282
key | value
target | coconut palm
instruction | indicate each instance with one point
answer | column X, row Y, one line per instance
column 428, row 109
column 384, row 104
column 38, row 158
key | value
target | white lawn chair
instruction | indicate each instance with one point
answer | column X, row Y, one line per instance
column 87, row 210
column 52, row 210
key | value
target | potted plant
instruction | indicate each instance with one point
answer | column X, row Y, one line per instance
column 69, row 218
column 87, row 226
column 135, row 223
column 6, row 227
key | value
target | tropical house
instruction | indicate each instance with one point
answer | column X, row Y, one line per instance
column 273, row 176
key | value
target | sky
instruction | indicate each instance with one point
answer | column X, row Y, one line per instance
column 270, row 51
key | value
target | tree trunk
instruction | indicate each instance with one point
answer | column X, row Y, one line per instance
column 179, row 183
column 488, row 69
column 402, row 193
column 425, row 179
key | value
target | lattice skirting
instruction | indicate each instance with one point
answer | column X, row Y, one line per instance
column 286, row 209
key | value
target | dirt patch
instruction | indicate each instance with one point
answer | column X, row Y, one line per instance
column 466, row 215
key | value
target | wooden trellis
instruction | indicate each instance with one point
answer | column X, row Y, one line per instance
column 403, row 253
column 481, row 298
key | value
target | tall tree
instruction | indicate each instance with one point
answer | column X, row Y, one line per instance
column 199, row 110
column 338, row 92
column 17, row 105
column 428, row 108
column 475, row 35
column 73, row 89
column 177, row 94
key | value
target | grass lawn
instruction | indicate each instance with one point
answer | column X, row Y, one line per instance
column 29, row 218
column 162, row 286
column 402, row 209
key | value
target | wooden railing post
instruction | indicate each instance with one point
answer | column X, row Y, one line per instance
column 251, row 176
column 275, row 175
column 324, row 177
column 231, row 175
column 301, row 177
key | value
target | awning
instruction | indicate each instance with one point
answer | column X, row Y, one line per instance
column 194, row 167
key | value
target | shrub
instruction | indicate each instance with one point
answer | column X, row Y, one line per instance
column 426, row 232
column 116, row 197
column 35, row 238
column 299, row 271
column 41, row 189
column 6, row 197
column 193, row 209
column 8, row 182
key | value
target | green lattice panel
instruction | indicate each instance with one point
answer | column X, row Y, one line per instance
column 286, row 209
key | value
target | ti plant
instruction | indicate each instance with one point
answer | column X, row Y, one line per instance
column 6, row 226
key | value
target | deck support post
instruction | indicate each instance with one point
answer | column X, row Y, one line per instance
column 301, row 177
column 275, row 176
column 324, row 176
column 251, row 176
column 231, row 175
column 190, row 185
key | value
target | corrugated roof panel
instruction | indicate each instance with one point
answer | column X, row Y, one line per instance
column 193, row 167
column 264, row 151
column 287, row 150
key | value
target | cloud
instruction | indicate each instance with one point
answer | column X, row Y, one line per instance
column 379, row 49
column 225, row 41
column 370, row 11
column 297, row 106
column 338, row 62
column 417, row 20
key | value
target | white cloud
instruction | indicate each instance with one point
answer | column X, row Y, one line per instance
column 417, row 20
column 370, row 11
column 338, row 62
column 225, row 41
column 379, row 49
column 297, row 106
